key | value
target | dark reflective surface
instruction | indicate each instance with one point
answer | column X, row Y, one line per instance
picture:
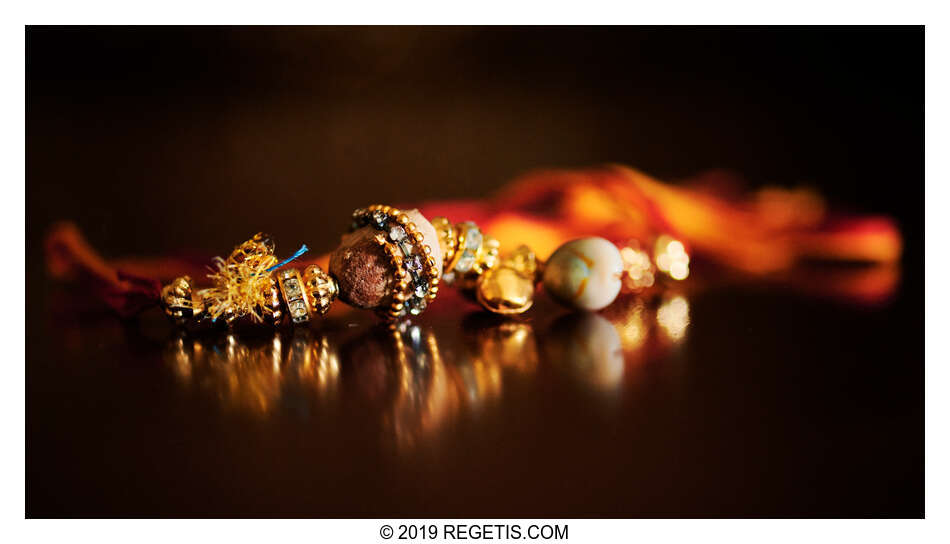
column 708, row 405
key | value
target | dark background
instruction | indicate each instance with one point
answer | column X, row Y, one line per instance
column 161, row 139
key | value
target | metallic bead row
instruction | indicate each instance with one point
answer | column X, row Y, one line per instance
column 285, row 290
column 300, row 295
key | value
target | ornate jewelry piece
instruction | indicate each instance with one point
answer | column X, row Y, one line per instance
column 415, row 271
column 393, row 262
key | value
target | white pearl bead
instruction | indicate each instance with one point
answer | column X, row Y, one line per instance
column 584, row 273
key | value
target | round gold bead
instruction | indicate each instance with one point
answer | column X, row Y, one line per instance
column 321, row 287
column 179, row 301
column 403, row 219
column 505, row 291
column 418, row 237
column 258, row 250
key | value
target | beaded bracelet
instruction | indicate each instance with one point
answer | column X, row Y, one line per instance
column 393, row 262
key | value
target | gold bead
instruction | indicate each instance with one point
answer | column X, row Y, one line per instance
column 321, row 287
column 179, row 301
column 523, row 261
column 505, row 291
column 272, row 312
column 448, row 239
column 259, row 249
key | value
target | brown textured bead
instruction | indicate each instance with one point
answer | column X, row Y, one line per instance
column 363, row 269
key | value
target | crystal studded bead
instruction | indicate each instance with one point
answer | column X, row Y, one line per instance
column 380, row 219
column 466, row 261
column 473, row 239
column 421, row 289
column 298, row 308
column 292, row 288
column 415, row 263
column 397, row 234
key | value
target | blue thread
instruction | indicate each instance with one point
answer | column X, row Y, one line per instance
column 303, row 249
